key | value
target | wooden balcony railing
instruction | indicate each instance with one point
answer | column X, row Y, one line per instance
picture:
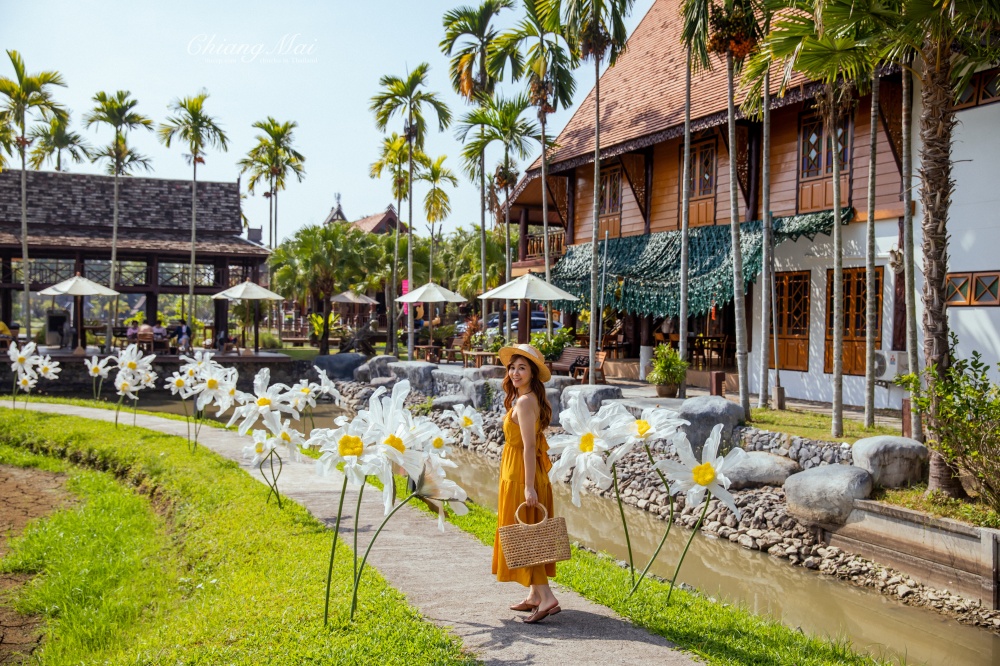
column 557, row 244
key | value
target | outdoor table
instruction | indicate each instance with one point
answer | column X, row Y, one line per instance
column 427, row 352
column 481, row 356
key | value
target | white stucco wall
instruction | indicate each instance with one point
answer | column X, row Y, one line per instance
column 816, row 256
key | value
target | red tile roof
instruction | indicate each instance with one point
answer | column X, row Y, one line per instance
column 642, row 96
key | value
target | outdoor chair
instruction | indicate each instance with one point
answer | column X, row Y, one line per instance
column 583, row 374
column 145, row 342
column 453, row 352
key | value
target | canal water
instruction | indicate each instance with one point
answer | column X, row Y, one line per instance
column 817, row 604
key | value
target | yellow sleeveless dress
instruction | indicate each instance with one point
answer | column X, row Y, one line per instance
column 512, row 495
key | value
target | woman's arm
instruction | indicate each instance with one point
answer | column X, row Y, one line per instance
column 526, row 409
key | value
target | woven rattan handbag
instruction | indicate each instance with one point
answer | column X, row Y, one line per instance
column 527, row 545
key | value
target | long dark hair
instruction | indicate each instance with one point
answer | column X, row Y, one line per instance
column 537, row 387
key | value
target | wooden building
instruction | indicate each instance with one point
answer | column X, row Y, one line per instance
column 642, row 124
column 70, row 231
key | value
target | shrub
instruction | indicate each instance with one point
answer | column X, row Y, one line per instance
column 473, row 325
column 269, row 340
column 552, row 346
column 668, row 367
column 965, row 421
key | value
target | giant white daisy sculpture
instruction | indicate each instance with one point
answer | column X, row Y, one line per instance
column 47, row 368
column 588, row 437
column 98, row 370
column 694, row 479
column 391, row 431
column 470, row 421
column 22, row 360
column 327, row 387
column 264, row 399
column 653, row 423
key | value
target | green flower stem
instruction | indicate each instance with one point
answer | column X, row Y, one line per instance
column 333, row 552
column 13, row 392
column 621, row 510
column 100, row 388
column 361, row 570
column 670, row 523
column 273, row 483
column 697, row 526
column 357, row 512
column 118, row 409
column 187, row 419
column 135, row 408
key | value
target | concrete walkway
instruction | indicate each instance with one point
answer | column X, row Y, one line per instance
column 446, row 576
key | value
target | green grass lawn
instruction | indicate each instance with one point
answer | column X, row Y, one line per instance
column 971, row 510
column 299, row 353
column 813, row 426
column 173, row 557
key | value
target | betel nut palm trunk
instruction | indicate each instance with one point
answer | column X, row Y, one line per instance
column 25, row 271
column 831, row 119
column 871, row 302
column 682, row 316
column 595, row 314
column 739, row 300
column 937, row 123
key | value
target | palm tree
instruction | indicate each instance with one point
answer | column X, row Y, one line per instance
column 198, row 131
column 467, row 283
column 949, row 39
column 271, row 161
column 53, row 138
column 406, row 97
column 117, row 111
column 840, row 60
column 500, row 120
column 437, row 205
column 542, row 43
column 7, row 140
column 468, row 36
column 394, row 158
column 26, row 94
column 734, row 30
column 695, row 38
column 599, row 27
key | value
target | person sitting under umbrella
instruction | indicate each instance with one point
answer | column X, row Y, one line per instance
column 183, row 333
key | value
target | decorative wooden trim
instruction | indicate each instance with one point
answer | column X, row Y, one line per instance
column 979, row 289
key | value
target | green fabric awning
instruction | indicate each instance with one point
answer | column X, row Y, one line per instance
column 643, row 272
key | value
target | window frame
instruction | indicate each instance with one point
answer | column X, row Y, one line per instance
column 825, row 158
column 610, row 221
column 978, row 83
column 855, row 277
column 969, row 297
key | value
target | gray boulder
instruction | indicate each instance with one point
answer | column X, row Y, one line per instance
column 592, row 395
column 762, row 469
column 825, row 495
column 484, row 394
column 387, row 382
column 340, row 366
column 420, row 374
column 493, row 371
column 561, row 382
column 555, row 401
column 894, row 462
column 704, row 413
column 443, row 402
column 376, row 366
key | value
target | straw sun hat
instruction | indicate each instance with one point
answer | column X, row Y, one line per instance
column 530, row 353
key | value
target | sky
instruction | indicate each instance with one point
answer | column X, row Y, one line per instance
column 317, row 63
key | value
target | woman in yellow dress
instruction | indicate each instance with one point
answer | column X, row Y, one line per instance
column 524, row 471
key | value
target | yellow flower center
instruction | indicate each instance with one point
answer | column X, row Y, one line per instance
column 45, row 369
column 642, row 427
column 179, row 382
column 260, row 447
column 212, row 384
column 263, row 401
column 587, row 443
column 191, row 372
column 124, row 386
column 350, row 445
column 25, row 381
column 703, row 474
column 232, row 391
column 285, row 436
column 466, row 422
column 132, row 365
column 306, row 390
column 396, row 443
column 437, row 442
column 95, row 371
column 21, row 360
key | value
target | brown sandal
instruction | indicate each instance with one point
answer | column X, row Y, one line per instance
column 540, row 614
column 524, row 606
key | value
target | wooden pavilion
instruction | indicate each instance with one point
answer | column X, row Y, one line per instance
column 70, row 231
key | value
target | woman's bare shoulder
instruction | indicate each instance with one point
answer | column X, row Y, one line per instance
column 528, row 401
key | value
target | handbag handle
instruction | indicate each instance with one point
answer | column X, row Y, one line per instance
column 545, row 513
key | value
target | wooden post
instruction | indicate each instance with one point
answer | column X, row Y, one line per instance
column 522, row 241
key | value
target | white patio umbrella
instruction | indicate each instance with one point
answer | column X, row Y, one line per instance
column 431, row 293
column 351, row 298
column 528, row 288
column 79, row 286
column 250, row 291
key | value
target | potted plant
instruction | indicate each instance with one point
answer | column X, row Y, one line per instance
column 668, row 371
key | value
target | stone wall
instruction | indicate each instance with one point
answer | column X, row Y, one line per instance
column 807, row 452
